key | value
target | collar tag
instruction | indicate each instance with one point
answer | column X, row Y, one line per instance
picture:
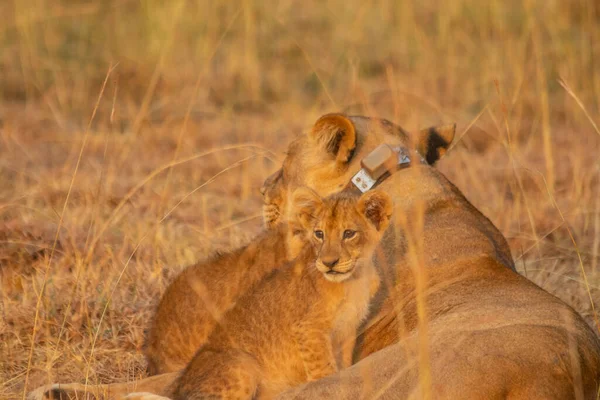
column 383, row 161
column 363, row 181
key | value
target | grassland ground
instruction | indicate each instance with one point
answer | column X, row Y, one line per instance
column 134, row 137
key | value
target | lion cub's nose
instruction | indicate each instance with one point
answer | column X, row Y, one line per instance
column 331, row 262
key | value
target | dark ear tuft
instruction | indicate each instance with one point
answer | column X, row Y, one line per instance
column 336, row 135
column 306, row 204
column 377, row 207
column 433, row 142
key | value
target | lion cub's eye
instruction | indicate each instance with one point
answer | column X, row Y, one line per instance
column 319, row 235
column 348, row 234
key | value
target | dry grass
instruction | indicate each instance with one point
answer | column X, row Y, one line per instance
column 98, row 214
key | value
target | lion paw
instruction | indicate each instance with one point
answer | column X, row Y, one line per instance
column 47, row 392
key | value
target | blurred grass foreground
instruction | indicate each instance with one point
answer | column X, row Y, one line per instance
column 134, row 135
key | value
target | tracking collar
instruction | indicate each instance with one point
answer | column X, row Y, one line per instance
column 383, row 161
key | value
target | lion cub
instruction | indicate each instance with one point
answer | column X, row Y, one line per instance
column 289, row 328
column 201, row 294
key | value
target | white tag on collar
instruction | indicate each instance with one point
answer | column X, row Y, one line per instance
column 363, row 181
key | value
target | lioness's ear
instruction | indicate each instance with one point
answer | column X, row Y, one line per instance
column 306, row 204
column 336, row 135
column 433, row 142
column 377, row 207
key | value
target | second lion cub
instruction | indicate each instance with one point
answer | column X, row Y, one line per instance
column 299, row 324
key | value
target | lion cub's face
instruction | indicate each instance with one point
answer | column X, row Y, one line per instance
column 343, row 229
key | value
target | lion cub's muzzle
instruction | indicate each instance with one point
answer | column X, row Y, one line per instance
column 335, row 270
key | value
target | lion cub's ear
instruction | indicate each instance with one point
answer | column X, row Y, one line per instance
column 305, row 206
column 377, row 207
column 433, row 142
column 335, row 134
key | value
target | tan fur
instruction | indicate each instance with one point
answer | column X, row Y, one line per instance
column 196, row 300
column 273, row 199
column 289, row 329
column 452, row 318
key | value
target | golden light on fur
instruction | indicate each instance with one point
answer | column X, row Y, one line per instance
column 298, row 325
column 454, row 277
column 191, row 77
column 273, row 199
column 338, row 254
column 433, row 142
column 337, row 133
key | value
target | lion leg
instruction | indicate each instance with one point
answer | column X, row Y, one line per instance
column 67, row 391
column 144, row 396
column 158, row 384
column 230, row 374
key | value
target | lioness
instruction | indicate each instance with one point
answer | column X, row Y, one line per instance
column 452, row 319
column 288, row 329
